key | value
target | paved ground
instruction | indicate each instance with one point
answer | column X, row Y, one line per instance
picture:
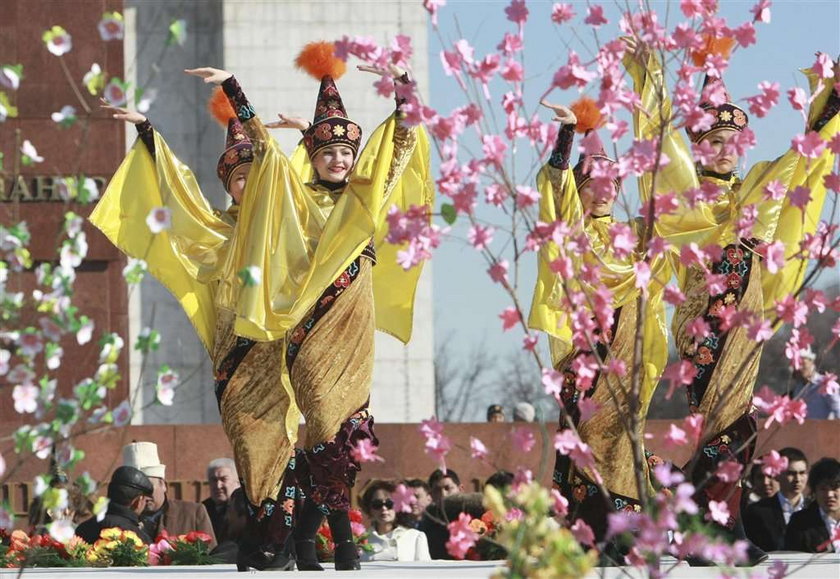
column 800, row 565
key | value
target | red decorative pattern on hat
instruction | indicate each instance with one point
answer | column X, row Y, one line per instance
column 238, row 151
column 581, row 171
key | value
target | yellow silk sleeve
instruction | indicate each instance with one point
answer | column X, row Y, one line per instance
column 394, row 288
column 794, row 223
column 187, row 257
column 547, row 314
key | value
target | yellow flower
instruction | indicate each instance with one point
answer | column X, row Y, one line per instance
column 113, row 533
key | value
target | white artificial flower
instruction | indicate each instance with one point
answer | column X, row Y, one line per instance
column 28, row 149
column 25, row 397
column 9, row 77
column 40, row 485
column 66, row 116
column 111, row 27
column 145, row 102
column 62, row 530
column 58, row 41
column 5, row 356
column 114, row 93
column 159, row 219
column 122, row 414
column 85, row 333
column 42, row 446
column 166, row 395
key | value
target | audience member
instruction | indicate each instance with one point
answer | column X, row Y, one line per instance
column 444, row 484
column 761, row 485
column 423, row 498
column 524, row 412
column 128, row 492
column 223, row 480
column 501, row 480
column 440, row 513
column 766, row 520
column 811, row 529
column 162, row 513
column 390, row 538
column 495, row 413
column 808, row 383
column 235, row 525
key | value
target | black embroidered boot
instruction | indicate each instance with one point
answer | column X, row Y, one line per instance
column 305, row 530
column 346, row 552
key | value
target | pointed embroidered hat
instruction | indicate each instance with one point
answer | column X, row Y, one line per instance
column 238, row 148
column 588, row 120
column 330, row 124
column 144, row 457
column 727, row 115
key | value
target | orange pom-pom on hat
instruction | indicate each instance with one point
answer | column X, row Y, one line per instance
column 219, row 107
column 238, row 148
column 588, row 115
column 330, row 124
column 713, row 46
column 318, row 59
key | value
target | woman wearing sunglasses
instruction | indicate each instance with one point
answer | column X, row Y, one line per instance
column 390, row 538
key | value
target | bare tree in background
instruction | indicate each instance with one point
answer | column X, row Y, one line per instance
column 518, row 380
column 460, row 381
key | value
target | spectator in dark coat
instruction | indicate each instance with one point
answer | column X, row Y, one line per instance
column 128, row 492
column 223, row 480
column 766, row 520
column 813, row 529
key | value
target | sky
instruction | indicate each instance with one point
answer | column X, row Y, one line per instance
column 467, row 303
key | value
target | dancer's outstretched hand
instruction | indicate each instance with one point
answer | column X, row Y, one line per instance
column 637, row 50
column 393, row 70
column 210, row 75
column 562, row 113
column 122, row 114
column 287, row 122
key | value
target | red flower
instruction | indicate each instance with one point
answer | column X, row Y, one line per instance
column 733, row 281
column 704, row 356
column 196, row 536
column 343, row 280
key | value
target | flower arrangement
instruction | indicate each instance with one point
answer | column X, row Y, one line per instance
column 22, row 550
column 118, row 548
column 192, row 548
column 324, row 542
column 486, row 547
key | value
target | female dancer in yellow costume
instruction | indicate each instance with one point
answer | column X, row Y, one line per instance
column 726, row 360
column 567, row 196
column 281, row 284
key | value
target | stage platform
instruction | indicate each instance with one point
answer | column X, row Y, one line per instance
column 800, row 565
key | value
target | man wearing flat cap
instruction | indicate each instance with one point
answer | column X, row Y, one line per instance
column 162, row 513
column 128, row 492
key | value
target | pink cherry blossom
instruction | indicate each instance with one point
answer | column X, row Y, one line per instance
column 560, row 503
column 512, row 71
column 595, row 16
column 797, row 98
column 641, row 271
column 530, row 341
column 461, row 536
column 675, row 437
column 744, row 34
column 759, row 330
column 683, row 501
column 678, row 374
column 585, row 368
column 583, row 533
column 761, row 11
column 692, row 8
column 809, row 145
column 510, row 44
column 432, row 7
column 494, row 149
column 800, row 197
column 672, row 295
column 761, row 104
column 623, row 240
column 365, row 451
column 510, row 317
column 827, row 384
column 573, row 74
column 693, row 426
column 729, row 471
column 403, row 498
column 588, row 407
column 496, row 194
column 773, row 464
column 834, row 144
column 480, row 236
column 526, row 196
column 523, row 439
column 562, row 12
column 566, row 441
column 703, row 152
column 552, row 381
column 741, row 142
column 823, row 66
column 774, row 190
column 832, row 182
column 498, row 271
column 517, row 12
column 477, row 449
column 718, row 512
column 779, row 409
column 437, row 444
column 800, row 339
column 773, row 254
column 791, row 311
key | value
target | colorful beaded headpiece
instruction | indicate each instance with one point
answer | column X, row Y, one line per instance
column 330, row 125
